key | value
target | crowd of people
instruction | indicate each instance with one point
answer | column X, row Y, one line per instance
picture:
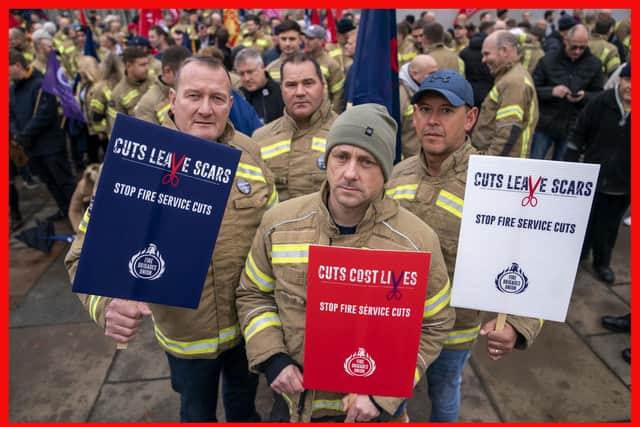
column 322, row 170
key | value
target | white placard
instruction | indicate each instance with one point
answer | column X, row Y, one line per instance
column 518, row 251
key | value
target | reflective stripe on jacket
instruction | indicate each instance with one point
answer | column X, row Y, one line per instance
column 439, row 201
column 271, row 297
column 213, row 327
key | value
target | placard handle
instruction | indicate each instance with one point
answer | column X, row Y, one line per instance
column 502, row 319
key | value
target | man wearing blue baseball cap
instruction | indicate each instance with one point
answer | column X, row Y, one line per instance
column 431, row 185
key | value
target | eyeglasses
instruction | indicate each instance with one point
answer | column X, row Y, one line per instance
column 574, row 47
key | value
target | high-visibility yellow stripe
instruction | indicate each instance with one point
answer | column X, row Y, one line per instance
column 207, row 345
column 462, row 335
column 262, row 42
column 526, row 60
column 274, row 150
column 337, row 86
column 162, row 113
column 493, row 94
column 450, row 202
column 261, row 322
column 325, row 71
column 461, row 67
column 407, row 192
column 263, row 281
column 612, row 64
column 435, row 304
column 290, row 253
column 130, row 96
column 541, row 322
column 112, row 112
column 335, row 52
column 273, row 199
column 408, row 111
column 526, row 134
column 319, row 144
column 335, row 405
column 416, row 376
column 406, row 56
column 275, row 75
column 510, row 110
column 96, row 104
column 250, row 172
column 93, row 306
column 85, row 221
column 107, row 93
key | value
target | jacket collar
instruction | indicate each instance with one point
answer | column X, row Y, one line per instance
column 503, row 69
column 452, row 165
column 225, row 138
column 381, row 209
column 319, row 116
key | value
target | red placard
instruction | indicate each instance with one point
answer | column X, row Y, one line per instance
column 363, row 319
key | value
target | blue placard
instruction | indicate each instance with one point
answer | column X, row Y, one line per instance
column 155, row 216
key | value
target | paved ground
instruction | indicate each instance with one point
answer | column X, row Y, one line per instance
column 63, row 369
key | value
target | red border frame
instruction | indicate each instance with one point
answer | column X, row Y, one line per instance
column 285, row 4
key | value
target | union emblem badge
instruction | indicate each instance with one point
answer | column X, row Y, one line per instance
column 359, row 364
column 147, row 264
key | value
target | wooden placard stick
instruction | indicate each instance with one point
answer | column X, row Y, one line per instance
column 502, row 319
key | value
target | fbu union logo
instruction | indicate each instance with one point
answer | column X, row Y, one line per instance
column 359, row 364
column 147, row 264
column 512, row 280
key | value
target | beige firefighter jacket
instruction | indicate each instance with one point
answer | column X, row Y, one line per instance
column 334, row 79
column 606, row 52
column 126, row 94
column 271, row 296
column 91, row 92
column 512, row 101
column 438, row 201
column 408, row 137
column 406, row 51
column 99, row 103
column 296, row 156
column 154, row 105
column 446, row 59
column 213, row 327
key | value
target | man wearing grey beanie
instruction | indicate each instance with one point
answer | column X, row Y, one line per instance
column 350, row 210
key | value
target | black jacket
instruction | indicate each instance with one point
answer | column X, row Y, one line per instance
column 39, row 133
column 266, row 101
column 603, row 135
column 557, row 115
column 475, row 71
column 553, row 43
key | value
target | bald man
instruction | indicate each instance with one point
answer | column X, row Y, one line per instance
column 509, row 113
column 565, row 82
column 411, row 77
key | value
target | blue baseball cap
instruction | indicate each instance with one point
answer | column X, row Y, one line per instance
column 449, row 84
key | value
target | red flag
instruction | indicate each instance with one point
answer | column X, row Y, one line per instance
column 148, row 18
column 315, row 17
column 13, row 22
column 331, row 27
column 338, row 14
column 469, row 12
column 83, row 19
column 175, row 16
column 232, row 23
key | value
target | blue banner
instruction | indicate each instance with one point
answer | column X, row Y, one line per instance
column 56, row 83
column 156, row 215
column 374, row 73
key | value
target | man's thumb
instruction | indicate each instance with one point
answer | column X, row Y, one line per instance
column 488, row 327
column 144, row 308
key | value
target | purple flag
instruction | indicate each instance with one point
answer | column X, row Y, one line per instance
column 56, row 83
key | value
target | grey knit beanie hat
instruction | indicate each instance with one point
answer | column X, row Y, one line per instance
column 370, row 127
